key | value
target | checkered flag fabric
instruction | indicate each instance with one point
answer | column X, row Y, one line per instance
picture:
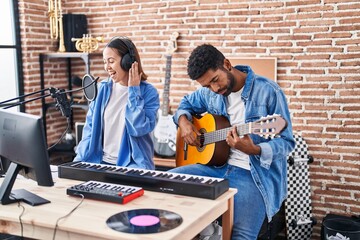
column 298, row 203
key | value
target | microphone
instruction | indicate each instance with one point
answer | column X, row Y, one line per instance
column 89, row 88
column 62, row 102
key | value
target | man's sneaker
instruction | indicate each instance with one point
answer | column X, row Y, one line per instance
column 211, row 232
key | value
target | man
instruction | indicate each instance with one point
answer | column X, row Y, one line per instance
column 256, row 166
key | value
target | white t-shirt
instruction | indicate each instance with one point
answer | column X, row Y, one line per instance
column 114, row 122
column 236, row 111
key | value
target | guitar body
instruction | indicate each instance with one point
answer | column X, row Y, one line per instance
column 214, row 129
column 164, row 136
column 210, row 154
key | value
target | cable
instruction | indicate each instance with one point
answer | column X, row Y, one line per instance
column 62, row 136
column 21, row 224
column 57, row 221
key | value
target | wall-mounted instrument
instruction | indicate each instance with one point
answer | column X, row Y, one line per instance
column 87, row 44
column 56, row 23
column 164, row 135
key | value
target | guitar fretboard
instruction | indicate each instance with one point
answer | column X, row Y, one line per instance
column 266, row 127
column 220, row 135
column 165, row 105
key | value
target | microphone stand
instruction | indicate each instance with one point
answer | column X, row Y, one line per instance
column 62, row 104
column 60, row 96
column 7, row 105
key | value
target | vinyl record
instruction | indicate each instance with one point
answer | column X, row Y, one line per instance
column 142, row 221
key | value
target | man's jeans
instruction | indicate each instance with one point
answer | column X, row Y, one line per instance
column 249, row 207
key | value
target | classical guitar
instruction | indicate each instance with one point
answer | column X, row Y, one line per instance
column 214, row 150
column 164, row 135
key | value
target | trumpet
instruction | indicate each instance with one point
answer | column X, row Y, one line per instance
column 87, row 44
column 56, row 23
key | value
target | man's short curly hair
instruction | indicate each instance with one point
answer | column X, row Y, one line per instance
column 203, row 58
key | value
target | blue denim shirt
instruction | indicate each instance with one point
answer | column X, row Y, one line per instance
column 262, row 97
column 136, row 146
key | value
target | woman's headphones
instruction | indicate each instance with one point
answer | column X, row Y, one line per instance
column 128, row 59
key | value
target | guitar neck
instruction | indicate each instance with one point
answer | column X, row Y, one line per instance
column 220, row 135
column 165, row 105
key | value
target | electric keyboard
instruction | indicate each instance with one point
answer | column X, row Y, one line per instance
column 105, row 191
column 158, row 181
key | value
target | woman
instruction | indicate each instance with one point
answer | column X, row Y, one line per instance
column 119, row 121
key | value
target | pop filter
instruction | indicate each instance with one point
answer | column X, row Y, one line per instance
column 89, row 87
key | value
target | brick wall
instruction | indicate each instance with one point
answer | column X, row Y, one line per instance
column 316, row 43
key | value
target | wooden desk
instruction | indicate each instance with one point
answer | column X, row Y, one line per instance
column 165, row 162
column 88, row 221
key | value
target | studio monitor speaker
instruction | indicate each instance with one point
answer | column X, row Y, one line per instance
column 75, row 25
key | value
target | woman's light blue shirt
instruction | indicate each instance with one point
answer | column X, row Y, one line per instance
column 136, row 147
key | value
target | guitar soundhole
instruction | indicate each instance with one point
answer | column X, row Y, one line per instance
column 202, row 140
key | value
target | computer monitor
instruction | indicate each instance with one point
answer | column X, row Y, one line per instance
column 23, row 145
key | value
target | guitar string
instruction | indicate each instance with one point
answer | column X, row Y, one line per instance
column 166, row 91
column 220, row 135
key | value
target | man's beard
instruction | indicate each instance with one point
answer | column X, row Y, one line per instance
column 231, row 80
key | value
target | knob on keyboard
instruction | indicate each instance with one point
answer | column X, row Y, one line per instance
column 106, row 191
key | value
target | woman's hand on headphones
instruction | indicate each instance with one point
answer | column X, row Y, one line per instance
column 134, row 76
